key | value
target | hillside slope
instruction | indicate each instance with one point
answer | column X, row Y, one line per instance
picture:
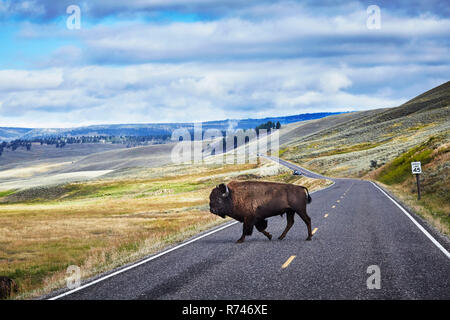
column 302, row 130
column 145, row 156
column 396, row 176
column 7, row 134
column 352, row 145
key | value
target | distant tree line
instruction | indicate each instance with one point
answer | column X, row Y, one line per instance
column 269, row 125
column 13, row 145
column 61, row 142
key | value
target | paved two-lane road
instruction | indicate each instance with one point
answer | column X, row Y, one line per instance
column 356, row 226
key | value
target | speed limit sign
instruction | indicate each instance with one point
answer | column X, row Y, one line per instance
column 416, row 168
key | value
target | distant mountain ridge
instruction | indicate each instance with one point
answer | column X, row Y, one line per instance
column 7, row 133
column 150, row 129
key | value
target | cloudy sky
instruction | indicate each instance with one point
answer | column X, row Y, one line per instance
column 140, row 61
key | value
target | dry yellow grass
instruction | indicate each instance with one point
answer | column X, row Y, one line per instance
column 426, row 208
column 29, row 171
column 434, row 205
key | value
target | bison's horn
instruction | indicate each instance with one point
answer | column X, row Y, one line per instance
column 227, row 192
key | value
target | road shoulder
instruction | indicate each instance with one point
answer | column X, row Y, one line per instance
column 440, row 237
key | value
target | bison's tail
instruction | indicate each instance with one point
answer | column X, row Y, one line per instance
column 307, row 193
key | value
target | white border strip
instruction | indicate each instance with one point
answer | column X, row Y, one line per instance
column 436, row 243
column 141, row 262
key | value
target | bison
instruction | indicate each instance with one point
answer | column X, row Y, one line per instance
column 252, row 202
column 7, row 287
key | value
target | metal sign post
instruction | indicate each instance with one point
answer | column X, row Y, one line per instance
column 416, row 169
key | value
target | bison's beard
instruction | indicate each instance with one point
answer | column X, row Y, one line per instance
column 221, row 212
column 221, row 215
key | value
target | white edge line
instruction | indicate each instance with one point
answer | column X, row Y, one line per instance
column 141, row 262
column 436, row 243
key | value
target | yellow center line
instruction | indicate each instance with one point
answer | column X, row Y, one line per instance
column 338, row 201
column 314, row 231
column 342, row 197
column 326, row 215
column 288, row 261
column 333, row 206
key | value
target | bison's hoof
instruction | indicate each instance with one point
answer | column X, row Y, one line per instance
column 308, row 239
column 269, row 236
column 240, row 241
column 280, row 238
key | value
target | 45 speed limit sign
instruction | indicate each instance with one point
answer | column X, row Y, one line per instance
column 416, row 168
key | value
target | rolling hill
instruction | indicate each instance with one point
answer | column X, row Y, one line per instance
column 345, row 145
column 7, row 134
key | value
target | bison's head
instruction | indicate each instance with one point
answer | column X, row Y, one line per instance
column 220, row 201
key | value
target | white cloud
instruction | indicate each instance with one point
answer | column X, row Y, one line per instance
column 16, row 80
column 297, row 33
column 183, row 92
column 334, row 81
column 268, row 30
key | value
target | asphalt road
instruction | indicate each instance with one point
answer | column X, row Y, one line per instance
column 356, row 226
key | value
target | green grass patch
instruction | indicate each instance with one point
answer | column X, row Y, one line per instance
column 282, row 151
column 421, row 126
column 6, row 193
column 139, row 189
column 58, row 256
column 399, row 169
column 82, row 190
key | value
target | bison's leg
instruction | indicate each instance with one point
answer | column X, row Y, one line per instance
column 247, row 229
column 261, row 226
column 290, row 222
column 307, row 220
